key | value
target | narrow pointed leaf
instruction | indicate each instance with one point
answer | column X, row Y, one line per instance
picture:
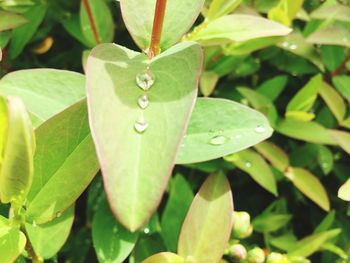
column 208, row 224
column 274, row 154
column 112, row 242
column 45, row 92
column 252, row 163
column 175, row 211
column 135, row 165
column 17, row 143
column 9, row 20
column 48, row 239
column 238, row 28
column 138, row 16
column 310, row 186
column 164, row 257
column 219, row 8
column 333, row 35
column 209, row 137
column 342, row 138
column 334, row 101
column 65, row 163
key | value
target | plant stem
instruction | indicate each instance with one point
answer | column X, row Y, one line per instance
column 157, row 29
column 92, row 21
column 29, row 248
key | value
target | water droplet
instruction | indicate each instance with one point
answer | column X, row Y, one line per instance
column 218, row 140
column 293, row 46
column 260, row 129
column 285, row 44
column 141, row 124
column 34, row 224
column 248, row 164
column 145, row 80
column 58, row 214
column 143, row 102
column 115, row 229
column 146, row 230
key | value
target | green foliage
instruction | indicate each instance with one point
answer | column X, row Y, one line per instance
column 123, row 144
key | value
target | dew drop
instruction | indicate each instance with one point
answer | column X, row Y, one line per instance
column 146, row 230
column 143, row 102
column 145, row 80
column 260, row 129
column 34, row 224
column 58, row 214
column 285, row 44
column 248, row 164
column 218, row 140
column 293, row 46
column 115, row 229
column 141, row 124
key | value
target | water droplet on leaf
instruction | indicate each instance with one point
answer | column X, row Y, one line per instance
column 141, row 124
column 218, row 140
column 146, row 230
column 58, row 214
column 34, row 224
column 260, row 129
column 143, row 102
column 248, row 164
column 145, row 80
column 293, row 46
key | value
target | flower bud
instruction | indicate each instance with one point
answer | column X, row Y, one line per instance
column 241, row 225
column 256, row 255
column 237, row 252
column 277, row 258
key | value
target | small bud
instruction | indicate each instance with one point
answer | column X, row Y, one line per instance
column 237, row 252
column 256, row 255
column 241, row 225
column 277, row 258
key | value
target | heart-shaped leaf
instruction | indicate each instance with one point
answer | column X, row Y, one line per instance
column 48, row 239
column 209, row 137
column 65, row 163
column 17, row 144
column 112, row 242
column 45, row 92
column 138, row 16
column 208, row 224
column 137, row 163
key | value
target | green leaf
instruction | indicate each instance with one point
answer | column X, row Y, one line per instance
column 49, row 238
column 252, row 163
column 310, row 186
column 305, row 131
column 209, row 137
column 164, row 257
column 274, row 154
column 325, row 159
column 65, row 163
column 12, row 242
column 208, row 81
column 297, row 44
column 311, row 244
column 138, row 16
column 103, row 19
column 333, row 100
column 334, row 11
column 260, row 103
column 270, row 222
column 342, row 138
column 285, row 11
column 16, row 161
column 72, row 26
column 22, row 35
column 272, row 88
column 238, row 28
column 332, row 35
column 129, row 178
column 342, row 84
column 112, row 242
column 175, row 211
column 333, row 56
column 219, row 8
column 10, row 20
column 146, row 246
column 326, row 223
column 45, row 92
column 208, row 224
column 344, row 191
column 306, row 96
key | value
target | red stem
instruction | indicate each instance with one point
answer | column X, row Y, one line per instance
column 157, row 28
column 92, row 21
